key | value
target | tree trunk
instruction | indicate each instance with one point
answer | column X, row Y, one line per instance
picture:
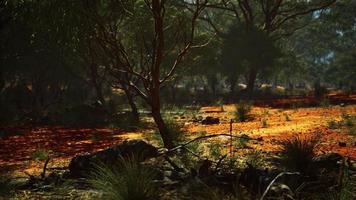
column 130, row 100
column 251, row 83
column 157, row 117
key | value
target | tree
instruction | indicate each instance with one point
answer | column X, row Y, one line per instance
column 276, row 18
column 139, row 46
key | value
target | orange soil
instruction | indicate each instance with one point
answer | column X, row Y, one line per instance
column 64, row 143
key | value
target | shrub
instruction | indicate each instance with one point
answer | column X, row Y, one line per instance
column 264, row 123
column 40, row 155
column 174, row 128
column 352, row 130
column 348, row 120
column 6, row 187
column 126, row 121
column 128, row 180
column 287, row 117
column 254, row 158
column 243, row 110
column 215, row 150
column 332, row 124
column 298, row 152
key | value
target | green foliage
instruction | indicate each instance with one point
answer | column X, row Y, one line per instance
column 254, row 158
column 242, row 113
column 215, row 150
column 127, row 180
column 332, row 124
column 40, row 155
column 348, row 120
column 6, row 187
column 297, row 153
column 247, row 48
column 126, row 121
column 175, row 129
column 264, row 123
column 287, row 117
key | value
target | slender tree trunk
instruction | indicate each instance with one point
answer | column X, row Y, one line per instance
column 251, row 82
column 157, row 117
column 130, row 100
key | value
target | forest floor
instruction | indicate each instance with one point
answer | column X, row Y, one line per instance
column 268, row 125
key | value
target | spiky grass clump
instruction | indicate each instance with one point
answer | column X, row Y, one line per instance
column 298, row 153
column 128, row 180
column 175, row 129
column 6, row 187
column 243, row 110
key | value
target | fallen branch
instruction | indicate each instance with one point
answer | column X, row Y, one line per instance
column 274, row 180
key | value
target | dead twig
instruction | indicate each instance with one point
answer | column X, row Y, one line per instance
column 274, row 180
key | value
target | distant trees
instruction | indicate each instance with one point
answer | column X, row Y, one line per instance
column 249, row 51
column 276, row 18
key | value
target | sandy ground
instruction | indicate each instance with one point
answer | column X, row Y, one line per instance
column 64, row 143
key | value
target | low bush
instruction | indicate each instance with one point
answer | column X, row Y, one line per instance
column 243, row 110
column 128, row 180
column 298, row 153
column 332, row 124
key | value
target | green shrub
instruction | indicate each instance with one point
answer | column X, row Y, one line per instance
column 126, row 121
column 6, row 187
column 348, row 120
column 176, row 130
column 352, row 130
column 40, row 155
column 215, row 150
column 254, row 158
column 243, row 110
column 128, row 180
column 264, row 123
column 298, row 152
column 332, row 124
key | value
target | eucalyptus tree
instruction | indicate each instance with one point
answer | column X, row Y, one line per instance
column 148, row 47
column 275, row 18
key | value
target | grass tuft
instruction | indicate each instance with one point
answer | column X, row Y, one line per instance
column 128, row 180
column 298, row 153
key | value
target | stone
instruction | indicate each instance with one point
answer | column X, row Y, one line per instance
column 342, row 144
column 328, row 160
column 80, row 166
column 210, row 120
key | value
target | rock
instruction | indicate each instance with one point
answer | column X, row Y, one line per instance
column 210, row 120
column 342, row 144
column 81, row 165
column 328, row 160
